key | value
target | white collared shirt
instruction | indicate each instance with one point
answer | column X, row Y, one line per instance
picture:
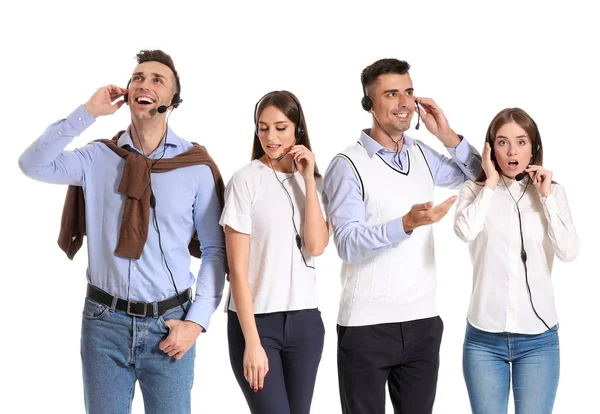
column 487, row 219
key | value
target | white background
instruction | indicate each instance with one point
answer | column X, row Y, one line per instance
column 473, row 59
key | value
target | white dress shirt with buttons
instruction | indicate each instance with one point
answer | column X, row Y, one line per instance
column 487, row 219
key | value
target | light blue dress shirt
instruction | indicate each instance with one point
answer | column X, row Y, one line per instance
column 186, row 200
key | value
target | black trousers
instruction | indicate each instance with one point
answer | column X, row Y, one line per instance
column 403, row 354
column 293, row 342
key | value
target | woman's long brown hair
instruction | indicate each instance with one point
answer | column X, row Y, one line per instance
column 523, row 119
column 290, row 106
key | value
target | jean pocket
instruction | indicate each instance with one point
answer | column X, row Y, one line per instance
column 173, row 313
column 94, row 310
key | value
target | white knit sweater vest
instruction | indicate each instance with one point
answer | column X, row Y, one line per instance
column 399, row 283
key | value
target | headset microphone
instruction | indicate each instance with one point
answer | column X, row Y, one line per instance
column 163, row 108
column 419, row 115
column 520, row 176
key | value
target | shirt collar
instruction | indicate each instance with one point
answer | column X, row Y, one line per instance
column 172, row 140
column 372, row 147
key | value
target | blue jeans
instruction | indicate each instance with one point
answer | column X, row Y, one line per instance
column 118, row 349
column 487, row 360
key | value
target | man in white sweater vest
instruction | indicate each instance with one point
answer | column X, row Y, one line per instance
column 379, row 195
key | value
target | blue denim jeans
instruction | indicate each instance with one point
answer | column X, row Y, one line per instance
column 118, row 349
column 487, row 361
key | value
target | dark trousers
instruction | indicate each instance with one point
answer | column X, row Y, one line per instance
column 293, row 342
column 403, row 354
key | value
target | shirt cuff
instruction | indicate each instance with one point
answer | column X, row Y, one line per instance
column 462, row 150
column 395, row 231
column 78, row 121
column 200, row 313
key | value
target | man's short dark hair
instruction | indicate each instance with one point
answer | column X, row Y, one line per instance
column 160, row 57
column 383, row 66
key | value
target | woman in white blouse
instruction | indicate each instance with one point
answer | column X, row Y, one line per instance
column 274, row 226
column 515, row 219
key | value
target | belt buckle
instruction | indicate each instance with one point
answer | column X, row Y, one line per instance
column 129, row 311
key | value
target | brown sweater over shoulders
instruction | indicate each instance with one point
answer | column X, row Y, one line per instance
column 135, row 184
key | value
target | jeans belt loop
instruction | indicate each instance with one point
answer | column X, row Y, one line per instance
column 155, row 310
column 113, row 304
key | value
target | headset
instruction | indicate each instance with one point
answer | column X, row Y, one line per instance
column 175, row 101
column 519, row 177
column 536, row 143
column 367, row 104
column 299, row 132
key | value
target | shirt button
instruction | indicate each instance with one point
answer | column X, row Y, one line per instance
column 83, row 122
column 59, row 132
column 79, row 118
column 134, row 268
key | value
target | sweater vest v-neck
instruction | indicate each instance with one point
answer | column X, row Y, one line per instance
column 397, row 284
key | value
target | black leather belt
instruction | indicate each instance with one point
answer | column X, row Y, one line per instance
column 136, row 308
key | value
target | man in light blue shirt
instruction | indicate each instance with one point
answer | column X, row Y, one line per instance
column 379, row 194
column 139, row 320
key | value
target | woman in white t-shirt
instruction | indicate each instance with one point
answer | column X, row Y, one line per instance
column 274, row 226
column 515, row 219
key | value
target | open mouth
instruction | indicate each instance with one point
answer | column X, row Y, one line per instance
column 513, row 164
column 401, row 115
column 273, row 147
column 144, row 100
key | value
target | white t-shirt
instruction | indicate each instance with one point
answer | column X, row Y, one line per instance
column 488, row 220
column 256, row 204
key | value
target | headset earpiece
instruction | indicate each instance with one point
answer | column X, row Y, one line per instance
column 298, row 131
column 488, row 139
column 537, row 146
column 366, row 103
column 176, row 100
column 126, row 96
